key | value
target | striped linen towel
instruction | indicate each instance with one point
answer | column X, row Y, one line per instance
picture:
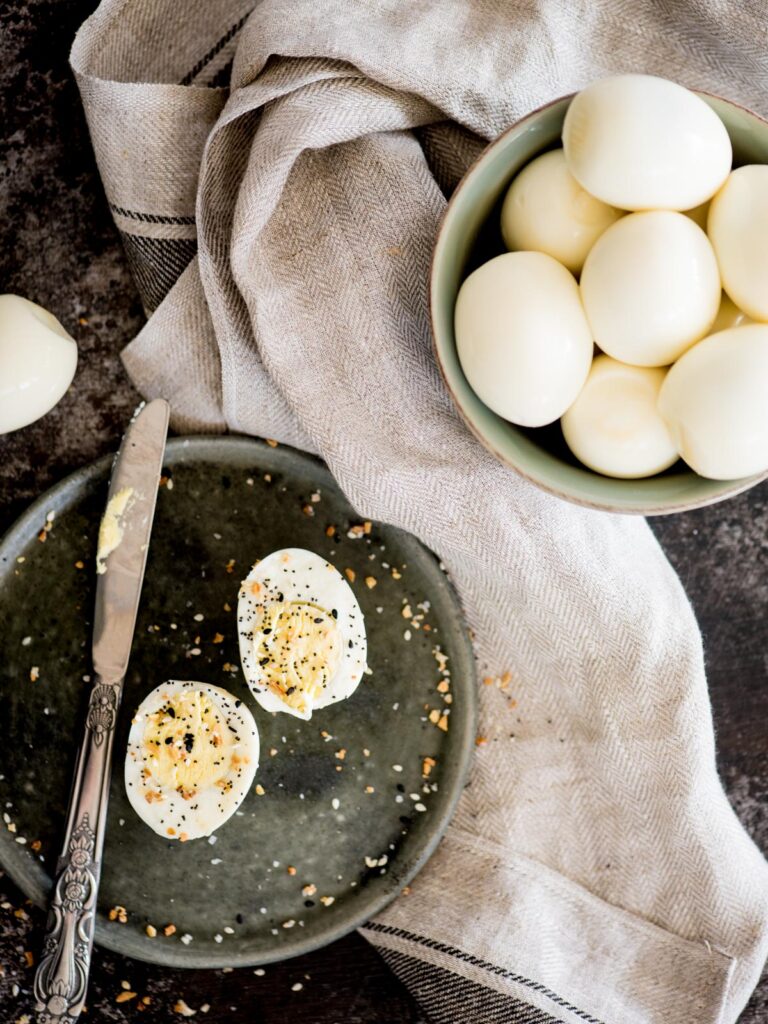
column 277, row 171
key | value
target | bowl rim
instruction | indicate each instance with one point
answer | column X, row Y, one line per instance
column 730, row 487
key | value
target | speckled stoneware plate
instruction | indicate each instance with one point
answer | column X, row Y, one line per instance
column 355, row 827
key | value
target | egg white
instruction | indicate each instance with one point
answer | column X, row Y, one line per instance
column 161, row 806
column 294, row 578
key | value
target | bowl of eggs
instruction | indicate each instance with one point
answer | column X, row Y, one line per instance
column 599, row 297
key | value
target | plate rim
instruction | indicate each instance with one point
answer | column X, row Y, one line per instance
column 33, row 879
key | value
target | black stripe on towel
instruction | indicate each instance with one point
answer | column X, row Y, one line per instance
column 150, row 218
column 449, row 998
column 195, row 71
column 156, row 264
column 475, row 961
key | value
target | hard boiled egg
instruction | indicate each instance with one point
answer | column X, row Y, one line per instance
column 650, row 287
column 522, row 337
column 738, row 228
column 643, row 143
column 714, row 402
column 193, row 750
column 614, row 427
column 37, row 362
column 302, row 634
column 547, row 210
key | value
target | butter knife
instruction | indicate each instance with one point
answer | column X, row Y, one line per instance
column 61, row 978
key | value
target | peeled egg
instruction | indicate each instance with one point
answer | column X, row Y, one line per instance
column 302, row 634
column 614, row 427
column 643, row 143
column 738, row 229
column 714, row 402
column 650, row 287
column 193, row 750
column 37, row 362
column 729, row 315
column 522, row 337
column 546, row 210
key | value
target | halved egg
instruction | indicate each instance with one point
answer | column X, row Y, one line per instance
column 302, row 634
column 193, row 750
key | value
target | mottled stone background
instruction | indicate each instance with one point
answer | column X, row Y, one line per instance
column 59, row 247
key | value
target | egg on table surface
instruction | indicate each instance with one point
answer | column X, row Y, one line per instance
column 644, row 143
column 522, row 337
column 546, row 210
column 37, row 362
column 614, row 427
column 714, row 402
column 193, row 750
column 738, row 229
column 302, row 633
column 650, row 287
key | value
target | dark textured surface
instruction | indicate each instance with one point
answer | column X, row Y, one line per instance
column 59, row 247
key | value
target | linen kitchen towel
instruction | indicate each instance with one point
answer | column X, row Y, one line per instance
column 278, row 172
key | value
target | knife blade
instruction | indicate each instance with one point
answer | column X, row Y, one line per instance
column 61, row 978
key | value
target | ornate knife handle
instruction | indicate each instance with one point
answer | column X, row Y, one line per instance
column 61, row 978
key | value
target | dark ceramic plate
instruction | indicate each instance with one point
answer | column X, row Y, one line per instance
column 233, row 500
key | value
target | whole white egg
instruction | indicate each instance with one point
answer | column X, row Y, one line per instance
column 546, row 210
column 650, row 287
column 643, row 143
column 37, row 362
column 614, row 426
column 714, row 402
column 738, row 229
column 522, row 337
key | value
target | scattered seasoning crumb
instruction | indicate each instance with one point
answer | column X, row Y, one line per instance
column 36, row 845
column 230, row 565
column 29, row 957
column 341, row 754
column 505, row 680
column 289, row 924
column 205, row 1008
column 350, row 574
column 291, row 869
column 199, row 617
column 26, row 641
column 406, row 612
column 480, row 741
column 335, row 803
column 308, row 510
column 34, row 673
column 369, row 789
column 218, row 638
column 419, row 807
column 370, row 582
column 297, row 987
column 443, row 723
column 118, row 914
column 151, row 931
column 124, row 997
column 434, row 716
column 125, row 986
column 271, row 443
column 327, row 900
column 181, row 1008
column 443, row 686
column 259, row 972
column 407, row 635
column 218, row 938
column 229, row 931
column 170, row 929
column 427, row 765
column 186, row 938
column 396, row 575
column 272, row 751
column 488, row 681
column 309, row 890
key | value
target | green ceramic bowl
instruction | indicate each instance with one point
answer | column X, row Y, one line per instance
column 469, row 236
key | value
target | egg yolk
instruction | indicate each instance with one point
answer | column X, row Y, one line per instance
column 298, row 647
column 187, row 745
